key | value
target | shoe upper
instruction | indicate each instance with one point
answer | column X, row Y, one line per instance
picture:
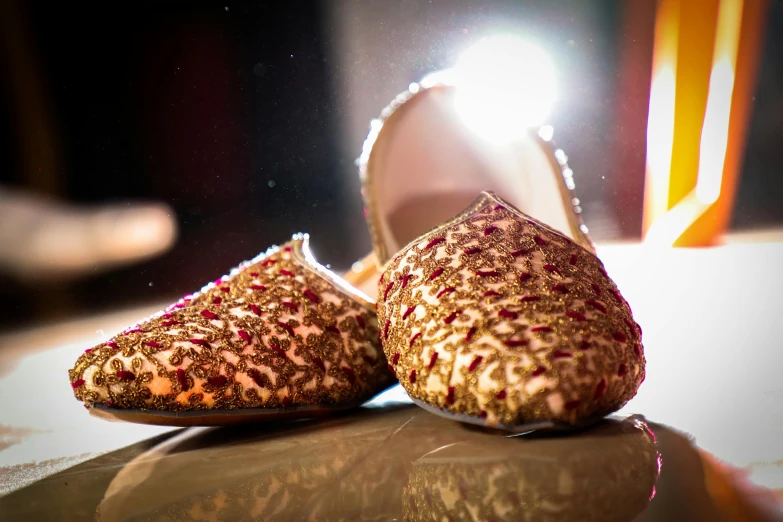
column 278, row 331
column 497, row 316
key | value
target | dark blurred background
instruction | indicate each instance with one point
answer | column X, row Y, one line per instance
column 245, row 118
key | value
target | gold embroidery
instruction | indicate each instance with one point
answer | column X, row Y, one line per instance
column 278, row 331
column 497, row 316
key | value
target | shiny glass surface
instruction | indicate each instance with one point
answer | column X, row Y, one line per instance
column 390, row 460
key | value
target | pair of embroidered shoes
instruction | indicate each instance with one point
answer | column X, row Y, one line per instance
column 490, row 317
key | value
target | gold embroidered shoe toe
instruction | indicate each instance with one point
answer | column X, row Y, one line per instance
column 280, row 336
column 495, row 318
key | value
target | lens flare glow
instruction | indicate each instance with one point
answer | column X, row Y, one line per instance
column 504, row 85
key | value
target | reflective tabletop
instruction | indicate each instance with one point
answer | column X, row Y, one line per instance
column 391, row 460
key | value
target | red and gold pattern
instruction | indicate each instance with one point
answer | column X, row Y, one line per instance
column 499, row 317
column 279, row 331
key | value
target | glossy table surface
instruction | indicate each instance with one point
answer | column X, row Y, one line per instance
column 703, row 439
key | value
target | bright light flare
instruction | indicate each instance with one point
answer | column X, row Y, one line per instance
column 504, row 86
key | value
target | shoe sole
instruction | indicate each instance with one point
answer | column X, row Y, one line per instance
column 214, row 418
column 554, row 426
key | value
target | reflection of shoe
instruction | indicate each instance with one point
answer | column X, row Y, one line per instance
column 332, row 469
column 497, row 319
column 280, row 336
column 421, row 165
column 605, row 474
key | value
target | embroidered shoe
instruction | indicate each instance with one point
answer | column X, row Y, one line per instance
column 280, row 336
column 495, row 318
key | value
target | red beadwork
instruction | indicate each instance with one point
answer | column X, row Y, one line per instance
column 446, row 291
column 622, row 370
column 218, row 381
column 405, row 280
column 487, row 273
column 595, row 304
column 413, row 339
column 257, row 377
column 254, row 274
column 452, row 316
column 530, row 298
column 332, row 329
column 208, row 314
column 200, row 342
column 320, row 363
column 217, row 301
column 360, row 321
column 543, row 328
column 182, row 379
column 600, row 389
column 490, row 293
column 538, row 371
column 244, row 336
column 126, row 376
column 268, row 262
column 637, row 349
column 438, row 271
column 483, row 414
column 473, row 250
column 540, row 241
column 561, row 354
column 560, row 287
column 88, row 350
column 166, row 324
column 290, row 306
column 596, row 288
column 395, row 358
column 286, row 273
column 255, row 309
column 475, row 362
column 507, row 314
column 408, row 312
column 112, row 344
column 387, row 290
column 501, row 395
column 278, row 350
column 489, row 230
column 514, row 343
column 412, row 376
column 551, row 268
column 391, row 369
column 77, row 383
column 584, row 344
column 386, row 329
column 619, row 337
column 287, row 249
column 260, row 288
column 617, row 295
column 576, row 315
column 153, row 344
column 436, row 241
column 450, row 395
column 287, row 327
column 520, row 252
column 572, row 259
column 603, row 272
column 311, row 296
column 349, row 373
column 470, row 334
column 225, row 289
column 433, row 360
